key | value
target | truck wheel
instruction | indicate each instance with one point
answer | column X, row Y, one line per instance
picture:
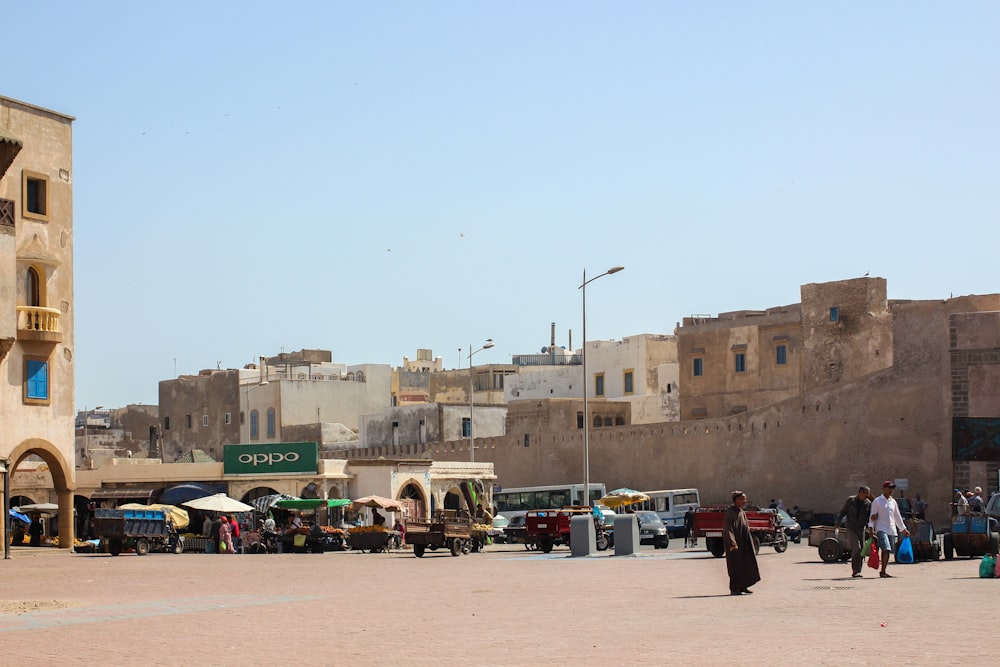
column 456, row 547
column 756, row 544
column 546, row 546
column 114, row 546
column 995, row 543
column 141, row 547
column 829, row 550
column 418, row 550
column 714, row 544
column 781, row 542
column 949, row 547
column 603, row 542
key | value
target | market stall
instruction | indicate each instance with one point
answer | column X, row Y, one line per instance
column 376, row 537
column 332, row 538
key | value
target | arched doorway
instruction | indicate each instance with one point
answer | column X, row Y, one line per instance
column 414, row 503
column 59, row 470
column 453, row 499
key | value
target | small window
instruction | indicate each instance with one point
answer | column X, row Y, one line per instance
column 270, row 423
column 699, row 367
column 579, row 420
column 608, row 421
column 35, row 203
column 36, row 381
column 254, row 425
column 527, row 440
column 466, row 427
column 166, row 423
column 781, row 355
column 834, row 314
column 670, row 386
column 187, row 420
column 740, row 362
column 229, row 418
column 597, row 422
column 629, row 389
column 599, row 384
column 498, row 380
column 204, row 420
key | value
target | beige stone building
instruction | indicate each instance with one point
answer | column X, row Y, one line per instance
column 36, row 295
column 877, row 389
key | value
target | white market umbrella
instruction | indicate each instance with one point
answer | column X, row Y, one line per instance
column 219, row 502
column 44, row 508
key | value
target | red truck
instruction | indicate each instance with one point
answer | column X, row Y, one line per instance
column 764, row 527
column 547, row 528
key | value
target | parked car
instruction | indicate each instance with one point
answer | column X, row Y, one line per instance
column 499, row 523
column 652, row 530
column 791, row 527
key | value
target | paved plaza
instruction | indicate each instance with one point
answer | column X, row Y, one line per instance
column 507, row 606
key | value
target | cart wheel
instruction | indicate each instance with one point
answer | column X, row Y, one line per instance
column 949, row 547
column 141, row 547
column 179, row 546
column 829, row 550
column 715, row 545
column 936, row 552
column 546, row 546
column 603, row 543
column 995, row 543
column 456, row 547
column 114, row 546
column 756, row 544
column 418, row 550
column 781, row 542
column 466, row 546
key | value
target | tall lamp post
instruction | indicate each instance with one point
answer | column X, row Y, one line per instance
column 472, row 393
column 586, row 384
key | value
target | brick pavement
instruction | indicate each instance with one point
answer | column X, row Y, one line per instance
column 503, row 607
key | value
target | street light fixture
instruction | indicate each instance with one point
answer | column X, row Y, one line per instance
column 586, row 384
column 472, row 377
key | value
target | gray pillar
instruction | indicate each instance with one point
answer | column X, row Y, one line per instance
column 626, row 535
column 582, row 535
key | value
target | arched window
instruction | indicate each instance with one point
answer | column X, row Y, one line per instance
column 270, row 422
column 33, row 288
column 597, row 422
column 254, row 422
column 359, row 376
column 350, row 376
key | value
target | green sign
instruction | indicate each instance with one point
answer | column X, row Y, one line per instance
column 278, row 457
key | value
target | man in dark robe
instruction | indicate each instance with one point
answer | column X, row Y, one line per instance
column 741, row 561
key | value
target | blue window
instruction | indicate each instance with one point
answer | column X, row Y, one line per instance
column 781, row 355
column 254, row 425
column 466, row 427
column 628, row 382
column 599, row 384
column 699, row 367
column 270, row 422
column 834, row 313
column 36, row 384
column 741, row 362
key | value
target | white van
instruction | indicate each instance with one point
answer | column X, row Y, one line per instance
column 671, row 505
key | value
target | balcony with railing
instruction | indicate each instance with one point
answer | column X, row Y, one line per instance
column 547, row 360
column 38, row 323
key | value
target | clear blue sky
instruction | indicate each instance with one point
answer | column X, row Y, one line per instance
column 374, row 178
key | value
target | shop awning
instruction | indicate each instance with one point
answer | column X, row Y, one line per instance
column 310, row 503
column 129, row 493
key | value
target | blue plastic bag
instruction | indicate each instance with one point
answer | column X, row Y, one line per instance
column 904, row 554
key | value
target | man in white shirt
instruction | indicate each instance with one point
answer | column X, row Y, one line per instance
column 885, row 519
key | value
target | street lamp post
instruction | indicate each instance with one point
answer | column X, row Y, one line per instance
column 472, row 392
column 586, row 384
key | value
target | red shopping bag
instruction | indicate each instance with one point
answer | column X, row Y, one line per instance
column 873, row 560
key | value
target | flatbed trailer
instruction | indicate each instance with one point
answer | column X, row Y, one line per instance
column 764, row 528
column 446, row 529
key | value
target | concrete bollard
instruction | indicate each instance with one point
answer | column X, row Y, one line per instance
column 626, row 535
column 582, row 535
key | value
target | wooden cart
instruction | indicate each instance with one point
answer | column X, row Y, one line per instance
column 764, row 528
column 446, row 529
column 833, row 545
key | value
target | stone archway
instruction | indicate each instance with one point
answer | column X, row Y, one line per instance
column 62, row 482
column 411, row 494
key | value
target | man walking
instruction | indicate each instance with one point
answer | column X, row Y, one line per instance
column 884, row 521
column 857, row 509
column 741, row 561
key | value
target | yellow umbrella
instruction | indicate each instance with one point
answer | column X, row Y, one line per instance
column 179, row 517
column 622, row 497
